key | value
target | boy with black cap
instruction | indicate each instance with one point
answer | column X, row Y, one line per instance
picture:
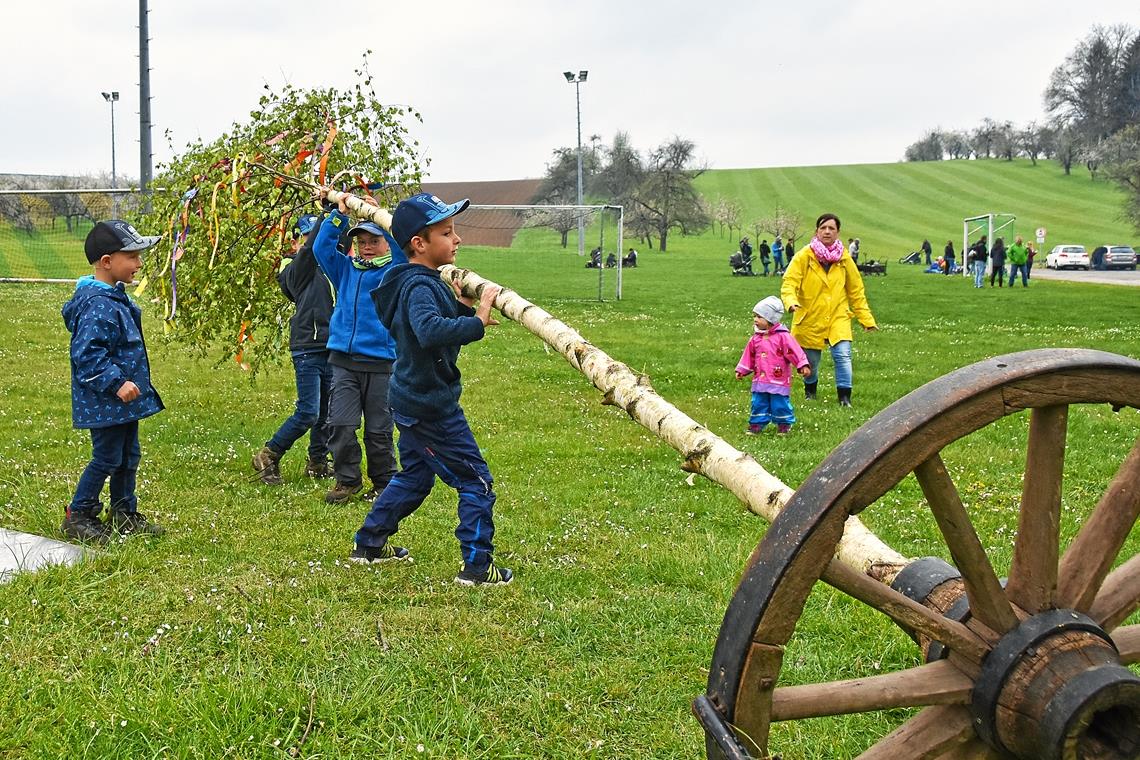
column 430, row 326
column 110, row 383
column 361, row 353
column 303, row 283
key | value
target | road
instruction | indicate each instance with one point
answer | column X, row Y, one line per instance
column 1106, row 277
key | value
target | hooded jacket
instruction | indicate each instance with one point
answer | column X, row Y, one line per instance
column 430, row 326
column 303, row 283
column 107, row 350
column 824, row 299
column 354, row 330
column 768, row 357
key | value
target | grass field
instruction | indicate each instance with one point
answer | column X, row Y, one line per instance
column 245, row 633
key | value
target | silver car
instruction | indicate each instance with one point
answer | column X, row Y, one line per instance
column 1119, row 257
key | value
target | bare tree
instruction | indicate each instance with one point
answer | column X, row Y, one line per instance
column 1005, row 141
column 1034, row 140
column 1121, row 157
column 1067, row 146
column 983, row 138
column 956, row 143
column 667, row 194
column 1084, row 90
column 929, row 148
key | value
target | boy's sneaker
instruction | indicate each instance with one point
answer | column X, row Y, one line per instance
column 86, row 527
column 783, row 428
column 342, row 492
column 754, row 430
column 386, row 553
column 492, row 576
column 265, row 464
column 133, row 523
column 318, row 468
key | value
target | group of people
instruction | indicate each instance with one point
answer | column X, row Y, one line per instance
column 1020, row 256
column 375, row 334
column 822, row 288
column 769, row 255
column 595, row 262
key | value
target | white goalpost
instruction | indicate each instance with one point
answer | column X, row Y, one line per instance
column 993, row 225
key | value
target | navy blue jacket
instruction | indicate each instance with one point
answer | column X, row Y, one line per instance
column 303, row 283
column 430, row 326
column 354, row 329
column 107, row 350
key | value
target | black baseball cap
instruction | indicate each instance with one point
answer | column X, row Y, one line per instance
column 419, row 211
column 115, row 235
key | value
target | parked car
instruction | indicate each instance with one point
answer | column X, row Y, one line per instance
column 1066, row 256
column 1119, row 257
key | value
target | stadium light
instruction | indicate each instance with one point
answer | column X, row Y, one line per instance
column 577, row 82
column 111, row 97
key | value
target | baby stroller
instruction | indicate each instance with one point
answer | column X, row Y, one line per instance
column 741, row 265
column 914, row 257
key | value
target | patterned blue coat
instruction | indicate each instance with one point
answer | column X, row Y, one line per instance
column 107, row 350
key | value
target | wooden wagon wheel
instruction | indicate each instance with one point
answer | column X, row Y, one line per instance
column 1031, row 669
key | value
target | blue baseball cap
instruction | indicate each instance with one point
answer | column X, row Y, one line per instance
column 305, row 223
column 419, row 211
column 371, row 228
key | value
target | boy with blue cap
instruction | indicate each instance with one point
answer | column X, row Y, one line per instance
column 303, row 283
column 361, row 353
column 430, row 322
column 110, row 383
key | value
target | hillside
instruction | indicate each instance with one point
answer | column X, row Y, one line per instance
column 892, row 207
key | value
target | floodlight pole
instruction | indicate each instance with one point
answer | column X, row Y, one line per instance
column 146, row 157
column 577, row 81
column 111, row 97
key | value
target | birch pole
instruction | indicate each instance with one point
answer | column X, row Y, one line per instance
column 703, row 452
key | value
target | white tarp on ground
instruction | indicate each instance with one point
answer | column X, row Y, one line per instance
column 23, row 551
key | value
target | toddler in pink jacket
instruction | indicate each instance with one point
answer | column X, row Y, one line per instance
column 769, row 357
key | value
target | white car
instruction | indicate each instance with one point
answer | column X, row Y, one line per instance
column 1066, row 256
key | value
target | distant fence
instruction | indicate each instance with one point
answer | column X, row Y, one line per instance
column 42, row 231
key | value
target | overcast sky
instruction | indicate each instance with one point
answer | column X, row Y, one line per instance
column 751, row 83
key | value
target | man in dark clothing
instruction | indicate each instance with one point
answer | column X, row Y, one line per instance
column 765, row 255
column 927, row 250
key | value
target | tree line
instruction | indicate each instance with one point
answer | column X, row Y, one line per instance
column 1093, row 105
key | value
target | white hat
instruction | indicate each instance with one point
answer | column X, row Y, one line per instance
column 770, row 309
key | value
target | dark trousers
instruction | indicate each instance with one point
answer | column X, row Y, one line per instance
column 445, row 449
column 355, row 394
column 998, row 271
column 115, row 454
column 314, row 382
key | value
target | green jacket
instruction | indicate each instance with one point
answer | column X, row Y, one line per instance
column 1017, row 254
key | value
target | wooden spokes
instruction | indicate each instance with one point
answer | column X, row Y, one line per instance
column 908, row 437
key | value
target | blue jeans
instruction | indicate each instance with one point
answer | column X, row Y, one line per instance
column 314, row 378
column 1024, row 274
column 771, row 407
column 979, row 274
column 115, row 454
column 840, row 355
column 778, row 259
column 447, row 449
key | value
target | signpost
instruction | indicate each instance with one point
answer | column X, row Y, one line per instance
column 1040, row 235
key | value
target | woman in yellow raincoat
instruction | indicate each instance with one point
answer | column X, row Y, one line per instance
column 823, row 289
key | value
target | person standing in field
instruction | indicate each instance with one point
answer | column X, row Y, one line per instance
column 778, row 256
column 997, row 262
column 823, row 288
column 1018, row 257
column 927, row 250
column 111, row 386
column 770, row 356
column 977, row 261
column 1030, row 253
column 948, row 257
column 765, row 255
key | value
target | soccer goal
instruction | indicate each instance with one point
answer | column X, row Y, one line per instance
column 993, row 226
column 548, row 236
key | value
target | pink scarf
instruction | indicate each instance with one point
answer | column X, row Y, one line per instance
column 826, row 254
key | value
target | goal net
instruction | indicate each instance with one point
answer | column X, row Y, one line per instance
column 993, row 226
column 549, row 236
column 42, row 231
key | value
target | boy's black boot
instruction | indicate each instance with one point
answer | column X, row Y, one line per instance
column 265, row 464
column 844, row 395
column 492, row 576
column 318, row 468
column 809, row 390
column 85, row 527
column 133, row 524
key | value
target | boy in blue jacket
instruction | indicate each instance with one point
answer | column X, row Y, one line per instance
column 361, row 353
column 430, row 326
column 110, row 383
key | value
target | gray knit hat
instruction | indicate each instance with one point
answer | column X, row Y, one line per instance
column 770, row 309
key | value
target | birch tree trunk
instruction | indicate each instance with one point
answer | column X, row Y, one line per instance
column 703, row 451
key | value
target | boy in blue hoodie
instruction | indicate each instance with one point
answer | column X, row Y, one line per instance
column 430, row 326
column 110, row 383
column 361, row 353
